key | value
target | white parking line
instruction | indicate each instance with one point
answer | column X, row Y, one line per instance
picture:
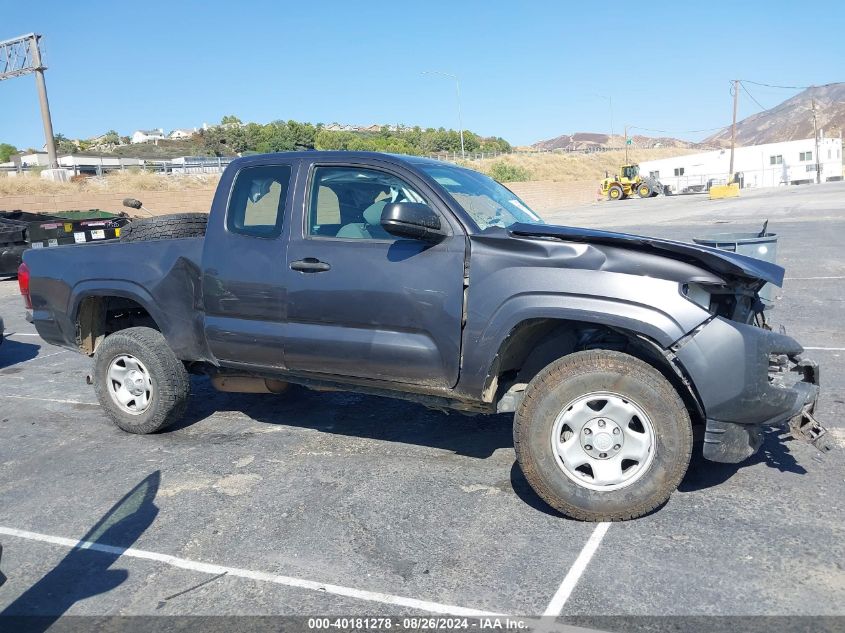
column 827, row 349
column 8, row 334
column 4, row 395
column 555, row 607
column 812, row 278
column 289, row 581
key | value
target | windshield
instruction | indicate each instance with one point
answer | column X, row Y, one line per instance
column 486, row 201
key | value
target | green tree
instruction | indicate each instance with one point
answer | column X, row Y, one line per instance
column 6, row 152
column 111, row 137
column 230, row 119
column 64, row 145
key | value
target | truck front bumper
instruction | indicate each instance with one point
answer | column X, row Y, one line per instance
column 749, row 378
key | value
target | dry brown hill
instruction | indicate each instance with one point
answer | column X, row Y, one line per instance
column 792, row 119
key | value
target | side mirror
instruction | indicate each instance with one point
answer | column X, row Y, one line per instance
column 412, row 220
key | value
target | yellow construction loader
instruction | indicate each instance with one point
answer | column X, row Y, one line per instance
column 629, row 184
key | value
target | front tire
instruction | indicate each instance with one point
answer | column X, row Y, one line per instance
column 602, row 436
column 140, row 383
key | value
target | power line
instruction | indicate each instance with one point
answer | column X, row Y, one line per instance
column 764, row 108
column 648, row 129
column 757, row 83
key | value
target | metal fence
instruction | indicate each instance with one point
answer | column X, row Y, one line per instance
column 94, row 167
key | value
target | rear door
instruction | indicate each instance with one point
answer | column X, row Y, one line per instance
column 361, row 303
column 244, row 268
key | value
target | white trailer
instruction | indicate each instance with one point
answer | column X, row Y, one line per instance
column 769, row 165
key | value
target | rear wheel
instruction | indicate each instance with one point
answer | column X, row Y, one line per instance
column 140, row 383
column 165, row 227
column 615, row 192
column 602, row 436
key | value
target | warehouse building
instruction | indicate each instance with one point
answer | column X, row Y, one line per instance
column 769, row 165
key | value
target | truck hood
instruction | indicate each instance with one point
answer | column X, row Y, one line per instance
column 713, row 259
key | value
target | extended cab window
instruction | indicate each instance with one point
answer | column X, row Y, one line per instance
column 257, row 205
column 346, row 202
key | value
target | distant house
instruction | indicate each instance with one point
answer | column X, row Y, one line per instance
column 181, row 133
column 148, row 136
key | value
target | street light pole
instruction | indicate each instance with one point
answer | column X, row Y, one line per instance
column 45, row 104
column 610, row 101
column 458, row 94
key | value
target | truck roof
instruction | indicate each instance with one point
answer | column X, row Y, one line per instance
column 320, row 154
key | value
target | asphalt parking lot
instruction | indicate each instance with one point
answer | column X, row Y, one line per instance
column 329, row 503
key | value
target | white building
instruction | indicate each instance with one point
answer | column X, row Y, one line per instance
column 181, row 133
column 769, row 165
column 148, row 136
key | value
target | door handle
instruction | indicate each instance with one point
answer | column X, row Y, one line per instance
column 310, row 265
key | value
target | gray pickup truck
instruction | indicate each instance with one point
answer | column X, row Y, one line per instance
column 416, row 279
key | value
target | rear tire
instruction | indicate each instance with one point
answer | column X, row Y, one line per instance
column 638, row 472
column 165, row 227
column 140, row 383
column 615, row 192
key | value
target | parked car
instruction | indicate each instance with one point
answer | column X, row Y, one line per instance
column 417, row 279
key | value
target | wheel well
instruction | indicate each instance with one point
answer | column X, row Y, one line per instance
column 535, row 343
column 98, row 317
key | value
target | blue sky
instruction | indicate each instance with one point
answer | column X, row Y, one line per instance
column 529, row 70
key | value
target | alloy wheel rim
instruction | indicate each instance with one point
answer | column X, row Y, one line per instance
column 603, row 441
column 129, row 384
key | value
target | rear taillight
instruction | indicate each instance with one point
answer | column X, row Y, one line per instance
column 23, row 282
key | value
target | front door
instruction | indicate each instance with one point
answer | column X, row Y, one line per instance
column 244, row 268
column 362, row 303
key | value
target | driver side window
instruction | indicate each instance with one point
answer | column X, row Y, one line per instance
column 346, row 202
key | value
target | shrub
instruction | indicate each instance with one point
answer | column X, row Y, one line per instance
column 505, row 172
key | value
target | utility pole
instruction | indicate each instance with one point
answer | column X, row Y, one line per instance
column 816, row 136
column 626, row 144
column 733, row 131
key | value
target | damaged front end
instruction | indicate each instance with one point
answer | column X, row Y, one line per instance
column 749, row 377
column 795, row 372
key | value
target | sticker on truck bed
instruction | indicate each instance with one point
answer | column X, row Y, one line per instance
column 99, row 234
column 52, row 242
column 79, row 237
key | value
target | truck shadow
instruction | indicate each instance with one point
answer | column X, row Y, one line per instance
column 357, row 415
column 13, row 352
column 774, row 453
column 85, row 571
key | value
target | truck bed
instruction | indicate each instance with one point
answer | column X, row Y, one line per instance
column 165, row 273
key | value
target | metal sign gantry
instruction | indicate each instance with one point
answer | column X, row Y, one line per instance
column 21, row 56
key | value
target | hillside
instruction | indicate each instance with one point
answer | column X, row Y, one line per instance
column 791, row 120
column 590, row 140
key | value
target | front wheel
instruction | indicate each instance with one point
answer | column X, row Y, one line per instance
column 615, row 192
column 602, row 436
column 139, row 381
